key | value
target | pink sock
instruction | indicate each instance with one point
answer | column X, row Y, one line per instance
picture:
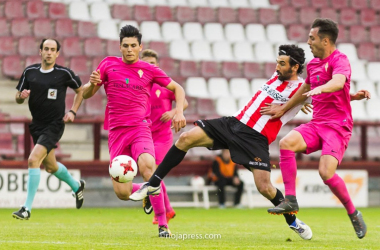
column 159, row 208
column 338, row 187
column 135, row 187
column 288, row 167
column 168, row 207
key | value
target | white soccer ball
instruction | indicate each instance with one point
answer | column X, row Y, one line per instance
column 123, row 169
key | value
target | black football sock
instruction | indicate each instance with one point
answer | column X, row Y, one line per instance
column 171, row 159
column 290, row 218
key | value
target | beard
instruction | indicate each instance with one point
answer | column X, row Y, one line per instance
column 285, row 76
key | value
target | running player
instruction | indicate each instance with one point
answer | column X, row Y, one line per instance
column 45, row 84
column 127, row 82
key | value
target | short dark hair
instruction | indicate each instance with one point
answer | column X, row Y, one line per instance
column 327, row 27
column 149, row 53
column 43, row 40
column 130, row 31
column 296, row 55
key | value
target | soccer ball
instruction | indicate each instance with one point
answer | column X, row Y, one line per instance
column 123, row 168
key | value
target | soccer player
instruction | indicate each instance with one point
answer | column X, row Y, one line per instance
column 161, row 115
column 247, row 134
column 127, row 82
column 45, row 84
column 328, row 83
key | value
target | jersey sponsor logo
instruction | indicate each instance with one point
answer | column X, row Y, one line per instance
column 126, row 80
column 128, row 86
column 52, row 94
column 275, row 94
column 140, row 72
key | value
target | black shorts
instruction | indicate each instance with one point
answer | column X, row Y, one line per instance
column 47, row 135
column 247, row 146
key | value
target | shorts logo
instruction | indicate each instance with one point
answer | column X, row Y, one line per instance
column 52, row 94
column 257, row 162
column 146, row 148
column 257, row 159
column 200, row 121
column 334, row 151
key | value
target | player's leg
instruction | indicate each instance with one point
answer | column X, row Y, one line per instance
column 265, row 187
column 170, row 213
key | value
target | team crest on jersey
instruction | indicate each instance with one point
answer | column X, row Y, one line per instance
column 326, row 66
column 140, row 73
column 52, row 94
column 158, row 93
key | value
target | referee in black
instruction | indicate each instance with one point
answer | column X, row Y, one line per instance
column 45, row 84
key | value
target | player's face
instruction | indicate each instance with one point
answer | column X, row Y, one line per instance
column 283, row 68
column 49, row 52
column 130, row 49
column 150, row 59
column 315, row 43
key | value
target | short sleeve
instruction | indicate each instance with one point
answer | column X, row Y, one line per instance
column 307, row 80
column 23, row 82
column 160, row 77
column 341, row 65
column 73, row 81
column 102, row 67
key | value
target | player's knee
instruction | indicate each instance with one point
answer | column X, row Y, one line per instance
column 184, row 142
column 286, row 143
column 123, row 196
column 33, row 161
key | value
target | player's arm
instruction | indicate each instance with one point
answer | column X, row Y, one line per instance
column 90, row 88
column 78, row 98
column 168, row 115
column 335, row 84
column 22, row 95
column 360, row 95
column 179, row 120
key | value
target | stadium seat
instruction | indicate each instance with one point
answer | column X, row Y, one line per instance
column 252, row 70
column 17, row 128
column 359, row 4
column 374, row 34
column 100, row 11
column 156, row 2
column 7, row 46
column 368, row 17
column 4, row 29
column 27, row 46
column 87, row 29
column 375, row 4
column 343, row 36
column 264, row 52
column 201, row 51
column 226, row 106
column 222, row 51
column 197, row 87
column 256, row 84
column 160, row 48
column 348, row 17
column 94, row 106
column 267, row 16
column 20, row 27
column 218, row 87
column 206, row 15
column 260, row 4
column 280, row 3
column 64, row 27
column 198, row 3
column 269, row 69
column 234, row 32
column 188, row 69
column 231, row 69
column 34, row 59
column 12, row 66
column 193, row 32
column 35, row 9
column 246, row 16
column 128, row 22
column 57, row 10
column 42, row 28
column 358, row 34
column 367, row 85
column 373, row 111
column 238, row 3
column 308, row 15
column 214, row 32
column 168, row 65
column 95, row 62
column 142, row 13
column 226, row 15
column 329, row 13
column 350, row 51
column 288, row 15
column 298, row 32
column 210, row 69
column 78, row 64
column 320, row 4
column 171, row 31
column 151, row 31
column 190, row 114
column 239, row 87
column 218, row 3
column 93, row 47
column 61, row 60
column 367, row 51
column 185, row 14
column 113, row 48
column 121, row 11
column 373, row 69
column 276, row 33
column 71, row 47
column 79, row 11
column 135, row 2
column 13, row 9
column 7, row 149
column 308, row 55
column 206, row 108
column 175, row 3
column 107, row 29
column 358, row 111
column 358, row 72
column 180, row 50
column 163, row 14
column 111, row 2
column 243, row 52
column 299, row 3
column 255, row 33
column 339, row 4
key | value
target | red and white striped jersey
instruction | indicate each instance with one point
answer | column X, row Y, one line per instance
column 276, row 92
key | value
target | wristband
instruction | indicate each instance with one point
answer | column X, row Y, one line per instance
column 75, row 114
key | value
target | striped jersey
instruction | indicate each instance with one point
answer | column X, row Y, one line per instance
column 276, row 92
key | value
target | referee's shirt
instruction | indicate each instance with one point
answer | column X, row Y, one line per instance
column 47, row 91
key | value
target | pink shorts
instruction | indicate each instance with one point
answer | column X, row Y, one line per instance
column 162, row 144
column 132, row 141
column 332, row 138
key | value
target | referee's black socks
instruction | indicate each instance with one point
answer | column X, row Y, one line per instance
column 290, row 218
column 171, row 159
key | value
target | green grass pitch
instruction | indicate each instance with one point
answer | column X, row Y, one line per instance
column 130, row 228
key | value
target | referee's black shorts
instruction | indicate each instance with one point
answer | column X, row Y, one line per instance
column 247, row 146
column 47, row 134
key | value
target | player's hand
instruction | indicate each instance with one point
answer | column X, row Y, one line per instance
column 178, row 122
column 167, row 116
column 24, row 94
column 307, row 108
column 95, row 78
column 361, row 94
column 69, row 117
column 274, row 110
column 316, row 91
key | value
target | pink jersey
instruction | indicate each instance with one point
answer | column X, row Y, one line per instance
column 273, row 91
column 128, row 90
column 331, row 107
column 161, row 101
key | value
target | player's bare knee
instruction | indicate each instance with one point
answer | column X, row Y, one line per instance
column 33, row 161
column 122, row 196
column 286, row 143
column 185, row 141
